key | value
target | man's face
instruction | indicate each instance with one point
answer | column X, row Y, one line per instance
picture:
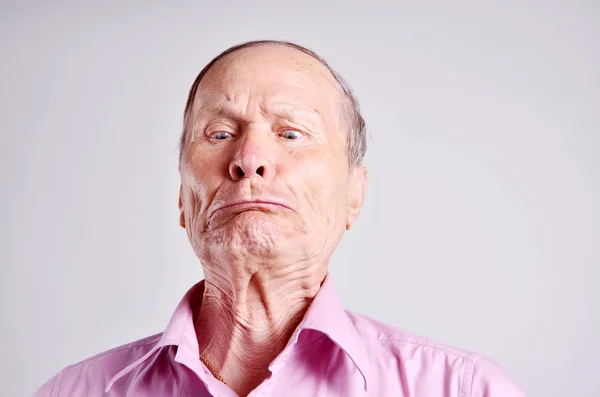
column 265, row 171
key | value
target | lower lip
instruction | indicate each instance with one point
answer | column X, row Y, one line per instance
column 251, row 206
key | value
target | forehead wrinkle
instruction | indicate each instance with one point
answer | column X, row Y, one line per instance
column 303, row 68
column 208, row 103
column 279, row 108
column 295, row 113
column 219, row 85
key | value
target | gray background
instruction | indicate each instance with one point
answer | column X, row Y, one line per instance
column 481, row 227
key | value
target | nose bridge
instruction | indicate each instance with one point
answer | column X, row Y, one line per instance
column 252, row 144
column 254, row 156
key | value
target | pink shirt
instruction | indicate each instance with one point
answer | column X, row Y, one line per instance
column 331, row 353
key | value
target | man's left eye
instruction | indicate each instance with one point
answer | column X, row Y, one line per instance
column 291, row 134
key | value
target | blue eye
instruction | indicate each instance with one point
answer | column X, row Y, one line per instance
column 220, row 135
column 291, row 134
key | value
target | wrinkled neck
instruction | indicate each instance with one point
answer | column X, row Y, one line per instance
column 244, row 322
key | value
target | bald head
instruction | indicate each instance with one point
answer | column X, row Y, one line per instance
column 263, row 59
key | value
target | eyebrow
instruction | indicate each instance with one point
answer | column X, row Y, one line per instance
column 292, row 113
column 288, row 112
column 221, row 110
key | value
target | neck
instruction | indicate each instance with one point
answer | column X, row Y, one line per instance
column 246, row 320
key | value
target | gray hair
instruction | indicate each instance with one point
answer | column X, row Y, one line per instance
column 355, row 123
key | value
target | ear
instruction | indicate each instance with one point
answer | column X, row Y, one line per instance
column 181, row 212
column 358, row 187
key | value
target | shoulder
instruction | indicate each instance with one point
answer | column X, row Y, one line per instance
column 390, row 337
column 426, row 361
column 73, row 379
column 489, row 379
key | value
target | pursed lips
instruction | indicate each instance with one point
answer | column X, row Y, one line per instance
column 249, row 205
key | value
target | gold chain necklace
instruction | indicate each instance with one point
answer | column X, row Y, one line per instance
column 211, row 368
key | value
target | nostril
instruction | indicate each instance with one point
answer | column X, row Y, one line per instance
column 260, row 170
column 240, row 172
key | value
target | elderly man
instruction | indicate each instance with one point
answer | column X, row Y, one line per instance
column 271, row 177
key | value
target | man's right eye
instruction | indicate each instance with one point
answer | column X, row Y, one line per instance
column 220, row 135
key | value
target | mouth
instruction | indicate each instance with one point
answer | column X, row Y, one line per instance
column 251, row 205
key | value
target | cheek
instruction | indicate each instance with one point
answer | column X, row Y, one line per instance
column 200, row 180
column 322, row 185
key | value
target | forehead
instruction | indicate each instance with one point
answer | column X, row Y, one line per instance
column 269, row 75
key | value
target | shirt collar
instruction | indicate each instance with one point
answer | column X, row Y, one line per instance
column 325, row 314
column 180, row 332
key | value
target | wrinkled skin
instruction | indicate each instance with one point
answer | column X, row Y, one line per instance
column 266, row 195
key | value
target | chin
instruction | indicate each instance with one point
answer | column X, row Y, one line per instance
column 250, row 234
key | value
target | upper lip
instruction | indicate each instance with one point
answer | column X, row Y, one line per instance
column 239, row 202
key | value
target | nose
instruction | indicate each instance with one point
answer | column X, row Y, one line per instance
column 253, row 159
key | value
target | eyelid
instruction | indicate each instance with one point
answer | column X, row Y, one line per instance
column 288, row 125
column 214, row 128
column 220, row 132
column 283, row 131
column 211, row 131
